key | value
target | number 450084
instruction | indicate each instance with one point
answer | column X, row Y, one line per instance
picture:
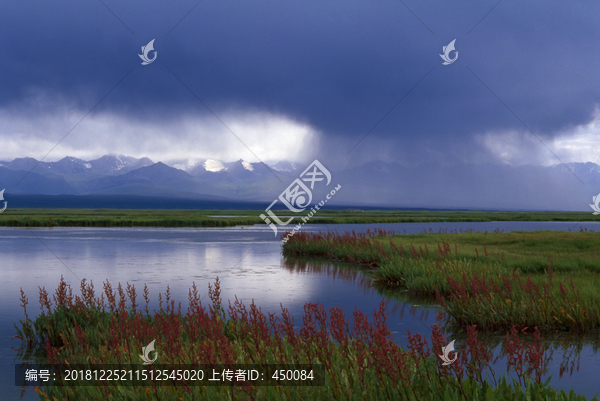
column 293, row 375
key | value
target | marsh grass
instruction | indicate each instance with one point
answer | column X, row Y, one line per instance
column 360, row 359
column 492, row 280
column 526, row 251
column 118, row 218
column 205, row 218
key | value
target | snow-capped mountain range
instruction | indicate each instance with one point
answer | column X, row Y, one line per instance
column 487, row 186
column 118, row 174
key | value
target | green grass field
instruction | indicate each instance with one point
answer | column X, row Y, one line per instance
column 123, row 218
column 204, row 218
column 526, row 251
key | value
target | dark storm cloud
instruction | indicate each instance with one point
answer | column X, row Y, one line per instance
column 337, row 65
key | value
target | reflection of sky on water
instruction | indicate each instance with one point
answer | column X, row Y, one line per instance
column 248, row 262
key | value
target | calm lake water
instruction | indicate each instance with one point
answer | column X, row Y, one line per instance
column 249, row 264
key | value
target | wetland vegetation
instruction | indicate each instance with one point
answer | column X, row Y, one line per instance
column 212, row 218
column 359, row 360
column 519, row 286
column 495, row 280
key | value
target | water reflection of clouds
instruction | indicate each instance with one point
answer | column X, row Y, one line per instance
column 334, row 271
column 212, row 253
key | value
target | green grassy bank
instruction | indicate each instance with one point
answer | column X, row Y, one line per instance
column 211, row 218
column 548, row 279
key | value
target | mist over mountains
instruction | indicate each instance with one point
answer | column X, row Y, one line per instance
column 461, row 186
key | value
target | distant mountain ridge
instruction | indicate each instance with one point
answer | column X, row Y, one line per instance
column 72, row 166
column 486, row 186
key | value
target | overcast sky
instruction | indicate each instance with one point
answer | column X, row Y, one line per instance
column 295, row 80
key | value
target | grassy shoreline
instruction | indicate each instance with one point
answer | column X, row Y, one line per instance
column 360, row 360
column 494, row 280
column 207, row 218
